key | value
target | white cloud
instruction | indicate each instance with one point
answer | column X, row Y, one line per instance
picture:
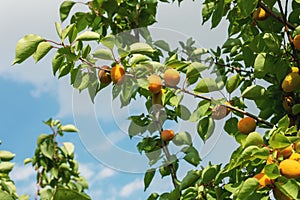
column 130, row 188
column 22, row 172
column 105, row 173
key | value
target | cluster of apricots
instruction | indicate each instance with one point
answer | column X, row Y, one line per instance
column 116, row 74
column 171, row 79
column 289, row 166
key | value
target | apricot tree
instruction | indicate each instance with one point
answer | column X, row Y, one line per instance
column 258, row 63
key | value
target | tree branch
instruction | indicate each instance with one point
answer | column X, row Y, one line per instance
column 230, row 107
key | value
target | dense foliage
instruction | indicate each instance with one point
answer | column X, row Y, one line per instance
column 258, row 64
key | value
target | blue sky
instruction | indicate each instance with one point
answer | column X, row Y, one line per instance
column 30, row 94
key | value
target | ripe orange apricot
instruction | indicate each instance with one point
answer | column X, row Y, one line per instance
column 295, row 156
column 279, row 195
column 167, row 135
column 103, row 76
column 117, row 74
column 295, row 69
column 296, row 41
column 155, row 84
column 290, row 168
column 260, row 14
column 286, row 152
column 171, row 77
column 263, row 179
column 246, row 125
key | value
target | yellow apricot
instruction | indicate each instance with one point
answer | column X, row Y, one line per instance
column 117, row 74
column 270, row 160
column 286, row 152
column 171, row 77
column 291, row 82
column 246, row 125
column 295, row 69
column 155, row 84
column 263, row 179
column 295, row 156
column 260, row 14
column 290, row 168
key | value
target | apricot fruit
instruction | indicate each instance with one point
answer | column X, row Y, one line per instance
column 260, row 14
column 171, row 77
column 220, row 111
column 103, row 76
column 290, row 168
column 288, row 103
column 167, row 135
column 296, row 42
column 286, row 152
column 295, row 156
column 291, row 82
column 295, row 69
column 155, row 84
column 117, row 74
column 246, row 125
column 263, row 179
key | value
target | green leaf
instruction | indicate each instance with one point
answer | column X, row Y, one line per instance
column 247, row 7
column 209, row 173
column 69, row 128
column 231, row 126
column 42, row 49
column 47, row 149
column 65, row 9
column 194, row 70
column 82, row 81
column 5, row 196
column 182, row 138
column 259, row 66
column 26, row 47
column 104, row 54
column 296, row 109
column 284, row 122
column 207, row 10
column 206, row 128
column 153, row 196
column 67, row 194
column 190, row 179
column 206, row 85
column 58, row 29
column 162, row 44
column 69, row 148
column 272, row 171
column 141, row 48
column 148, row 178
column 57, row 62
column 6, row 167
column 88, row 35
column 191, row 155
column 218, row 13
column 233, row 83
column 278, row 141
column 254, row 92
column 6, row 155
column 247, row 188
column 108, row 41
